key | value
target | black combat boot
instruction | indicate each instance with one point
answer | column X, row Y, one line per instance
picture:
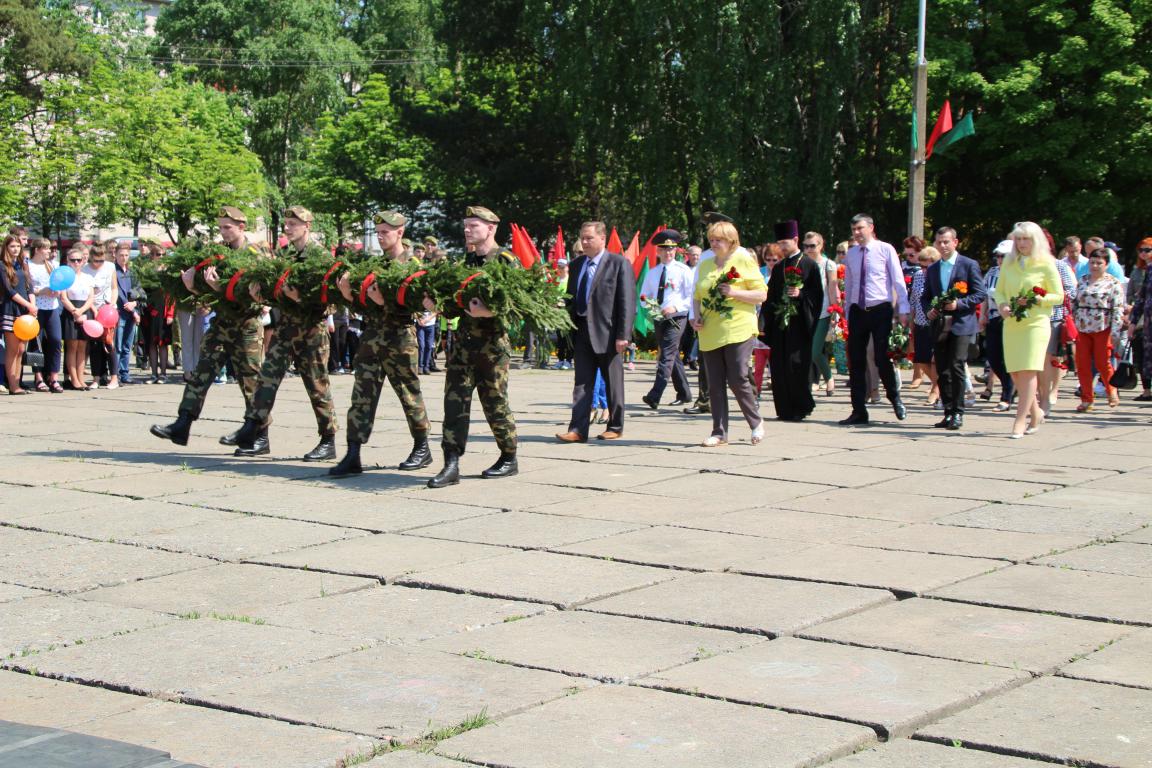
column 505, row 466
column 420, row 457
column 177, row 431
column 230, row 438
column 350, row 464
column 325, row 450
column 450, row 475
column 252, row 440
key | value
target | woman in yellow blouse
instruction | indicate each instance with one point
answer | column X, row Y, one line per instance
column 728, row 289
column 1027, row 267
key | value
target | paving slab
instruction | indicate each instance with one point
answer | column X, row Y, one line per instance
column 1059, row 720
column 46, row 748
column 1128, row 661
column 57, row 704
column 507, row 494
column 407, row 758
column 1095, row 521
column 911, row 572
column 743, row 603
column 246, row 537
column 905, row 753
column 385, row 556
column 152, row 485
column 818, row 472
column 675, row 459
column 65, row 473
column 893, row 692
column 686, row 548
column 11, row 592
column 903, row 507
column 181, row 658
column 41, row 623
column 971, row 542
column 626, row 727
column 1132, row 482
column 1079, row 594
column 791, row 524
column 126, row 520
column 1142, row 536
column 562, row 580
column 394, row 691
column 24, row 503
column 609, row 648
column 398, row 614
column 1080, row 497
column 210, row 737
column 228, row 589
column 1035, row 473
column 710, row 485
column 648, row 509
column 87, row 565
column 950, row 487
column 1077, row 456
column 529, row 530
column 1014, row 639
column 17, row 541
column 604, row 477
column 1121, row 557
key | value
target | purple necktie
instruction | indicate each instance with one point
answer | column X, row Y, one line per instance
column 863, row 275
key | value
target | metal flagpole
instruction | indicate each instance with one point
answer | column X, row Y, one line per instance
column 920, row 101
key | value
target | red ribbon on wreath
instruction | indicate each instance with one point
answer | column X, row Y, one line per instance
column 230, row 291
column 209, row 260
column 463, row 285
column 280, row 283
column 364, row 288
column 402, row 291
column 324, row 283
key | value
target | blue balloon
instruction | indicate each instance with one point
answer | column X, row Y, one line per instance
column 62, row 278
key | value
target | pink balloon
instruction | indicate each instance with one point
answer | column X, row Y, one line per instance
column 107, row 316
column 93, row 328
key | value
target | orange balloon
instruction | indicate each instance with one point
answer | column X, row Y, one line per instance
column 26, row 328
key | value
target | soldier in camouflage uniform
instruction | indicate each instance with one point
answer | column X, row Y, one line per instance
column 301, row 338
column 235, row 335
column 387, row 351
column 479, row 360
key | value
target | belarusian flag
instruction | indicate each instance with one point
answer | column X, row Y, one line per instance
column 963, row 130
column 943, row 125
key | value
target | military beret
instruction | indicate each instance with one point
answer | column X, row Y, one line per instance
column 482, row 213
column 431, row 241
column 230, row 212
column 711, row 217
column 667, row 238
column 298, row 212
column 406, row 242
column 149, row 240
column 391, row 218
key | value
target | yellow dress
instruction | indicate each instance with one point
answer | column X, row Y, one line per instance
column 719, row 331
column 1026, row 341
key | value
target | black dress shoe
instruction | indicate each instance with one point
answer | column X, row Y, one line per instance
column 230, row 438
column 956, row 422
column 420, row 457
column 258, row 447
column 505, row 466
column 681, row 401
column 650, row 402
column 325, row 450
column 177, row 431
column 944, row 422
column 695, row 409
column 854, row 419
column 450, row 474
column 899, row 409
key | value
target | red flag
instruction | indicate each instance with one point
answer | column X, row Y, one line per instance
column 649, row 250
column 614, row 244
column 633, row 255
column 523, row 247
column 558, row 248
column 943, row 125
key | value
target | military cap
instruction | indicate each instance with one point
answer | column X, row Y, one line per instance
column 149, row 240
column 406, row 243
column 787, row 230
column 482, row 213
column 667, row 238
column 230, row 212
column 391, row 218
column 298, row 212
column 431, row 241
column 712, row 217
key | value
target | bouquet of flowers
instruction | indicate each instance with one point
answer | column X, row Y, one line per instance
column 787, row 309
column 655, row 311
column 1031, row 298
column 717, row 302
column 958, row 291
column 837, row 323
column 898, row 339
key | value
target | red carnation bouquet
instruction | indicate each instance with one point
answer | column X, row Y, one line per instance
column 787, row 309
column 717, row 302
column 1031, row 297
column 837, row 323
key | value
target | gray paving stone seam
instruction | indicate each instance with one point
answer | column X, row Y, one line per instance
column 1116, row 683
column 997, row 749
column 1065, row 614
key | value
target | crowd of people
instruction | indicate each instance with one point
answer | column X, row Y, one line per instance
column 784, row 308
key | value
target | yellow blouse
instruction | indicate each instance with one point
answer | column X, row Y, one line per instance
column 719, row 331
column 1023, row 274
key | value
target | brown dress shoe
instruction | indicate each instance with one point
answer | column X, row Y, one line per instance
column 571, row 437
column 608, row 435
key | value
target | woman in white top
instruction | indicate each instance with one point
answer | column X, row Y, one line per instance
column 103, row 273
column 77, row 302
column 48, row 313
column 813, row 247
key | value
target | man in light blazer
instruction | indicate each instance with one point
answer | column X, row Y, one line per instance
column 602, row 303
column 955, row 327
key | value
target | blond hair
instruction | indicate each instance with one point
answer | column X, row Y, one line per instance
column 1033, row 232
column 724, row 230
column 930, row 252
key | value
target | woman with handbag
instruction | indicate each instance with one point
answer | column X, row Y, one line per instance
column 1098, row 311
column 40, row 269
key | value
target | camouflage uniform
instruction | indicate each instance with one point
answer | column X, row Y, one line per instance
column 301, row 338
column 387, row 351
column 236, row 335
column 479, row 360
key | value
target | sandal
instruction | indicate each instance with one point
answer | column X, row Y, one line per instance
column 55, row 388
column 1084, row 408
column 712, row 441
column 758, row 435
column 42, row 387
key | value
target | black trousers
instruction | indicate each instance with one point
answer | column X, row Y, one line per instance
column 874, row 323
column 951, row 352
column 670, row 367
column 586, row 362
column 994, row 349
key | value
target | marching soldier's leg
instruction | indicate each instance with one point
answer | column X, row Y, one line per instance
column 311, row 353
column 368, row 383
column 492, row 387
column 399, row 361
column 252, row 439
column 459, row 381
column 245, row 342
column 212, row 356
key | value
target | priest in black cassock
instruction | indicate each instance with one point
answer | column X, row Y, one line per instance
column 791, row 357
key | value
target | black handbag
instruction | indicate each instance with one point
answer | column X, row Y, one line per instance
column 1124, row 377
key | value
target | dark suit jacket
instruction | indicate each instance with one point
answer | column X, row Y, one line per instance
column 611, row 304
column 964, row 317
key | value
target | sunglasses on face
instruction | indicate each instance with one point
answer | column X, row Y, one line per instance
column 809, row 246
column 75, row 261
column 1145, row 250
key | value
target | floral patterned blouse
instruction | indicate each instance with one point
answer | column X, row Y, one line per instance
column 1099, row 305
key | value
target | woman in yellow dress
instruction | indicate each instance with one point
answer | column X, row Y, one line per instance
column 1027, row 267
column 728, row 289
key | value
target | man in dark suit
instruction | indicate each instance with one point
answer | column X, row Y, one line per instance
column 602, row 290
column 954, row 325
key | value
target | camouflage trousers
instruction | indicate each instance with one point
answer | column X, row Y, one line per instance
column 306, row 346
column 479, row 363
column 387, row 351
column 237, row 339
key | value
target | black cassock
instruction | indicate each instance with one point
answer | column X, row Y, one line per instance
column 791, row 358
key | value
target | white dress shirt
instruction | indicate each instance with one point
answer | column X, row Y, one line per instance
column 678, row 285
